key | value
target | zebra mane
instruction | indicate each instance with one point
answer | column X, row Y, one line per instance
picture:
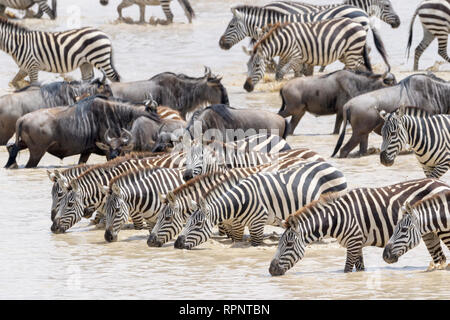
column 415, row 112
column 191, row 182
column 431, row 197
column 273, row 28
column 13, row 25
column 133, row 171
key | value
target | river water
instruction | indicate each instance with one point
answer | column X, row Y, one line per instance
column 37, row 264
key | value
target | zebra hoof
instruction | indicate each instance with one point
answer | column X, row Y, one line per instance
column 153, row 21
column 431, row 267
column 442, row 266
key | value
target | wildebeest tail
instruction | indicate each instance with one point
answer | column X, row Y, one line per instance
column 342, row 134
column 54, row 9
column 410, row 37
column 13, row 149
column 190, row 14
column 287, row 128
column 366, row 59
column 380, row 47
column 283, row 102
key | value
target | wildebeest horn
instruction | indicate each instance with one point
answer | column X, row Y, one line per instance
column 108, row 138
column 208, row 72
column 125, row 136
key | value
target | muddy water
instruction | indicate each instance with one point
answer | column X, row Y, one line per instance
column 79, row 264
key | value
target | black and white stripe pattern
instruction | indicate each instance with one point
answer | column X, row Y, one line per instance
column 261, row 199
column 362, row 217
column 431, row 215
column 428, row 135
column 435, row 18
column 165, row 5
column 57, row 52
column 316, row 44
column 26, row 4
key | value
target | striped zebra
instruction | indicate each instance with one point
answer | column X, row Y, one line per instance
column 428, row 135
column 435, row 18
column 57, row 52
column 218, row 158
column 27, row 4
column 173, row 216
column 362, row 217
column 83, row 196
column 336, row 39
column 261, row 199
column 165, row 5
column 430, row 215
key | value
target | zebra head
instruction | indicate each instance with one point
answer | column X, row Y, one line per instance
column 291, row 248
column 235, row 31
column 395, row 136
column 405, row 237
column 170, row 220
column 116, row 211
column 59, row 188
column 70, row 211
column 256, row 68
column 198, row 228
column 384, row 10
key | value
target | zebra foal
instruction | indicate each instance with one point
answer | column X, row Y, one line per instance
column 57, row 52
column 428, row 135
column 430, row 215
column 362, row 217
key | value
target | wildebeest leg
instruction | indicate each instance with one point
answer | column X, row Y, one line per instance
column 124, row 4
column 84, row 157
column 19, row 76
column 363, row 145
column 141, row 13
column 87, row 71
column 338, row 122
column 295, row 120
column 428, row 37
column 13, row 151
column 36, row 154
column 350, row 145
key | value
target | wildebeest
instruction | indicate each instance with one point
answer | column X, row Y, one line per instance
column 177, row 91
column 327, row 94
column 232, row 123
column 425, row 91
column 67, row 131
column 29, row 99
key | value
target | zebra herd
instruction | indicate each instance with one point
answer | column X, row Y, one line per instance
column 260, row 180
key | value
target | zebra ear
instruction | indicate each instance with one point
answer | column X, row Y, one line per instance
column 280, row 222
column 74, row 185
column 115, row 189
column 401, row 111
column 192, row 205
column 162, row 198
column 291, row 222
column 103, row 189
column 51, row 176
column 408, row 207
column 171, row 197
column 237, row 13
column 202, row 205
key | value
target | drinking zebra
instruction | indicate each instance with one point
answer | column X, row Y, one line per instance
column 27, row 4
column 362, row 217
column 337, row 39
column 173, row 216
column 435, row 18
column 57, row 52
column 261, row 199
column 430, row 215
column 428, row 135
column 165, row 5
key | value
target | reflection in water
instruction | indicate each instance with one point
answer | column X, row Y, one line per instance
column 79, row 264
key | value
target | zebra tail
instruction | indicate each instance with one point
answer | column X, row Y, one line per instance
column 410, row 37
column 342, row 135
column 54, row 9
column 283, row 102
column 366, row 59
column 112, row 66
column 380, row 47
column 14, row 149
column 190, row 14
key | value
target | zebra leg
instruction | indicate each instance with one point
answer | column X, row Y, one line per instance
column 303, row 69
column 142, row 13
column 359, row 265
column 282, row 68
column 439, row 170
column 165, row 4
column 445, row 238
column 87, row 71
column 237, row 231
column 224, row 230
column 354, row 254
column 433, row 244
column 256, row 233
column 18, row 77
column 43, row 7
column 124, row 4
column 428, row 37
column 138, row 222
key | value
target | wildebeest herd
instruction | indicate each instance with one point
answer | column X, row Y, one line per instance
column 181, row 160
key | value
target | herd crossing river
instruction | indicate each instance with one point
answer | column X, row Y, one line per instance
column 37, row 264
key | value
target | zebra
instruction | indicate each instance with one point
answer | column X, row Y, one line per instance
column 204, row 159
column 57, row 52
column 82, row 196
column 362, row 217
column 173, row 216
column 165, row 5
column 430, row 215
column 428, row 135
column 261, row 199
column 27, row 4
column 435, row 18
column 335, row 39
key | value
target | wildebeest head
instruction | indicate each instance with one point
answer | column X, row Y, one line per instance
column 255, row 70
column 116, row 146
column 214, row 92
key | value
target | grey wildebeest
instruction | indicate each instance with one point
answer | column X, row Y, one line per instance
column 29, row 99
column 231, row 123
column 67, row 131
column 327, row 94
column 424, row 91
column 177, row 91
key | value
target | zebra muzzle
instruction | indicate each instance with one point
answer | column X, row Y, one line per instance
column 110, row 236
column 385, row 160
column 55, row 228
column 180, row 243
column 153, row 242
column 223, row 44
column 388, row 256
column 275, row 269
column 248, row 85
